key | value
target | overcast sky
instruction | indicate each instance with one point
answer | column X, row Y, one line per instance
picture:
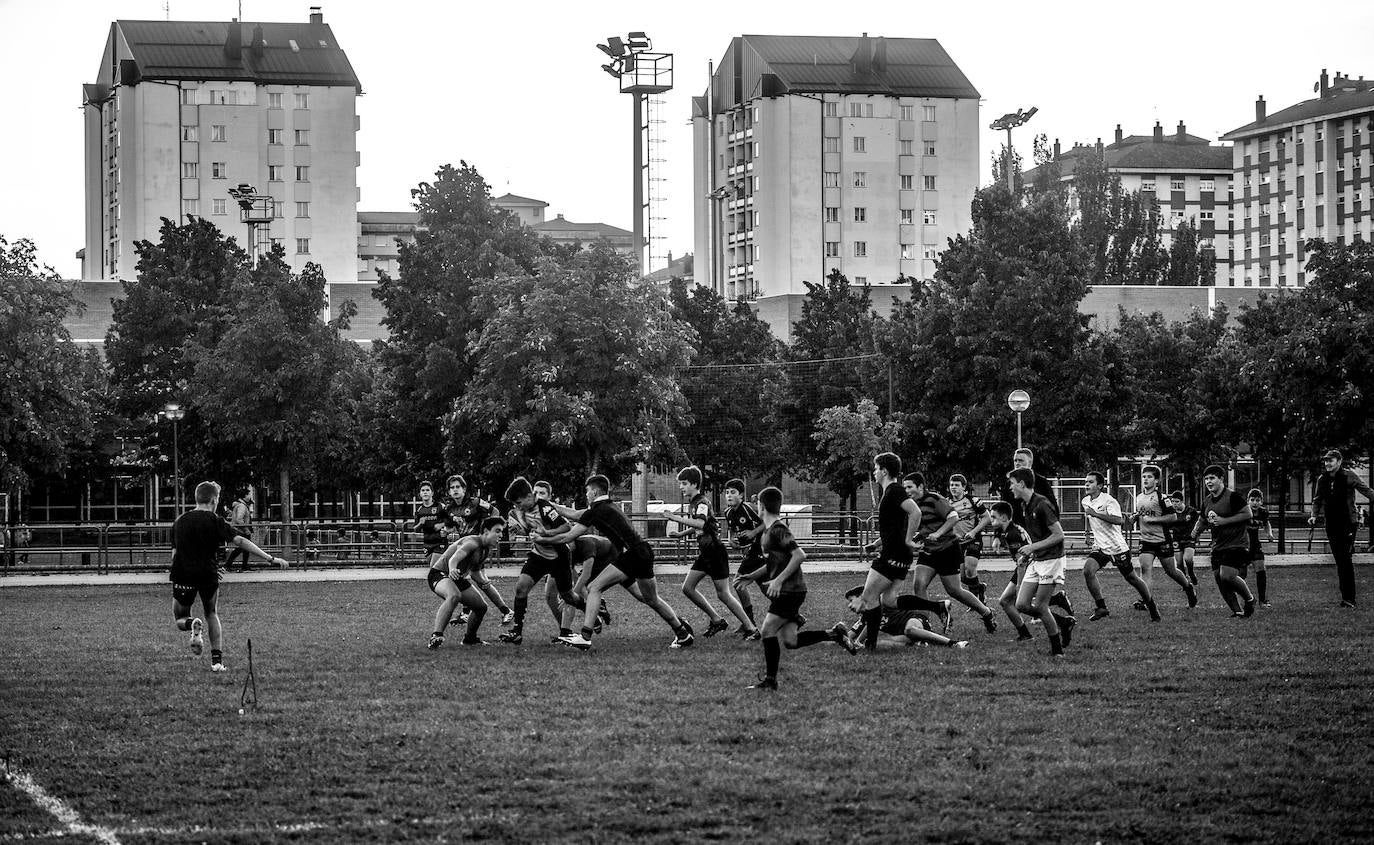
column 516, row 88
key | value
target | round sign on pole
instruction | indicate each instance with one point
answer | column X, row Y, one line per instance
column 1018, row 400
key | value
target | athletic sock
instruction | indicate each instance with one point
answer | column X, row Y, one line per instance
column 1263, row 584
column 772, row 653
column 873, row 620
column 1056, row 644
column 216, row 656
column 918, row 603
column 970, row 584
column 806, row 638
column 1061, row 600
column 565, row 632
column 1023, row 630
column 439, row 634
column 586, row 633
column 747, row 606
column 1102, row 604
column 521, row 605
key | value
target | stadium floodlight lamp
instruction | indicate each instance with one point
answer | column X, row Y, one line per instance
column 612, row 70
column 639, row 42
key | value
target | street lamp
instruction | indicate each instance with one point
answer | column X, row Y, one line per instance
column 175, row 412
column 1009, row 122
column 1018, row 401
column 257, row 211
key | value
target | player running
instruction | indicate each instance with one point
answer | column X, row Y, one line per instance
column 899, row 518
column 1185, row 518
column 537, row 519
column 713, row 560
column 744, row 527
column 448, row 579
column 940, row 553
column 1259, row 518
column 1227, row 514
column 1044, row 556
column 1154, row 514
column 1109, row 547
column 970, row 510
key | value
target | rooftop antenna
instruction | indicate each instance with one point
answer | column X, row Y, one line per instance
column 167, row 9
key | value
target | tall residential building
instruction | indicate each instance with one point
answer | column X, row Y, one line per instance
column 1304, row 172
column 820, row 153
column 182, row 111
column 1188, row 176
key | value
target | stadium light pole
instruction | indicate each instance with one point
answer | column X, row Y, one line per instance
column 1018, row 401
column 175, row 413
column 1010, row 122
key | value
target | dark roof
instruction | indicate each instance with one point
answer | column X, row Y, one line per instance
column 195, row 50
column 599, row 230
column 514, row 199
column 402, row 217
column 1335, row 102
column 1149, row 155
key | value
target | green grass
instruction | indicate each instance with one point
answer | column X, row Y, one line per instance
column 1200, row 728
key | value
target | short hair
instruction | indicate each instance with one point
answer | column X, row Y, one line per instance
column 544, row 484
column 458, row 479
column 1177, row 494
column 1028, row 453
column 889, row 463
column 1023, row 475
column 1333, row 453
column 736, row 484
column 916, row 478
column 1214, row 470
column 492, row 522
column 206, row 492
column 599, row 482
column 1150, row 470
column 1255, row 493
column 1002, row 509
column 425, row 482
column 959, row 478
column 518, row 489
column 691, row 475
column 770, row 499
column 1101, row 479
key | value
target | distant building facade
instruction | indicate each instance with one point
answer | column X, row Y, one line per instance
column 567, row 233
column 1303, row 172
column 530, row 211
column 182, row 111
column 820, row 153
column 380, row 235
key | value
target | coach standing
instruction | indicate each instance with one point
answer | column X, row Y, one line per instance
column 1335, row 494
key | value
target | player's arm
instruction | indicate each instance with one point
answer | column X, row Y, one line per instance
column 913, row 521
column 1056, row 536
column 566, row 535
column 568, row 513
column 984, row 521
column 1105, row 516
column 774, row 587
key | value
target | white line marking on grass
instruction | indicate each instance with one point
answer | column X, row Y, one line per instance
column 58, row 808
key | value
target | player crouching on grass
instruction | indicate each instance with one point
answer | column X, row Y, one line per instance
column 196, row 536
column 713, row 560
column 448, row 579
column 783, row 583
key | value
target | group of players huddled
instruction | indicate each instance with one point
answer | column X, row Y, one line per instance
column 921, row 533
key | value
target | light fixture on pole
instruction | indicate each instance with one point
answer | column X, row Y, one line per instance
column 1009, row 122
column 1018, row 401
column 257, row 211
column 175, row 413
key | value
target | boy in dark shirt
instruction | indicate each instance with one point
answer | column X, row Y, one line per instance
column 898, row 520
column 713, row 560
column 537, row 518
column 1043, row 555
column 785, row 586
column 1227, row 514
column 1259, row 518
column 429, row 521
column 941, row 552
column 464, row 515
column 744, row 526
column 1185, row 518
column 197, row 536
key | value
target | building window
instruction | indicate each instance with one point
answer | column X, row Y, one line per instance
column 832, row 178
column 188, row 96
column 905, row 147
column 860, row 280
column 1208, row 185
column 931, row 252
column 927, row 112
column 302, row 173
column 303, row 102
column 218, row 207
column 908, row 216
column 832, row 145
column 907, row 182
column 217, row 132
column 856, row 110
column 274, row 136
column 832, row 214
column 908, row 252
column 190, row 133
column 274, row 101
column 274, row 172
column 860, row 215
column 928, row 182
column 832, row 249
column 189, row 207
column 219, row 170
column 908, row 112
column 190, row 170
column 1207, row 215
column 930, row 148
column 278, row 209
column 928, row 218
column 302, row 137
column 302, row 244
column 302, row 209
column 1175, row 184
column 860, row 178
column 859, row 144
column 1147, row 185
column 832, row 109
column 861, row 249
column 1321, row 134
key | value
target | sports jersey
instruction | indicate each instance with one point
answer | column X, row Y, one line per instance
column 892, row 524
column 1013, row 537
column 1106, row 536
column 1226, row 503
column 196, row 536
column 778, row 546
column 935, row 509
column 612, row 523
column 700, row 508
column 599, row 549
column 466, row 517
column 542, row 515
column 1259, row 517
column 970, row 510
column 1152, row 504
column 428, row 518
column 1040, row 516
column 1181, row 530
column 741, row 518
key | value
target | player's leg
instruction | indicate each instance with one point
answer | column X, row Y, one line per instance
column 1033, row 599
column 725, row 591
column 600, row 582
column 1008, row 602
column 957, row 591
column 483, row 583
column 772, row 650
column 1188, row 553
column 1147, row 569
column 209, row 602
column 1147, row 600
column 915, row 632
column 648, row 588
column 921, row 576
column 1232, row 577
column 1261, row 579
column 1171, row 569
column 969, row 577
column 689, row 589
column 534, row 569
column 449, row 597
column 473, row 600
column 868, row 604
column 183, row 602
column 742, row 594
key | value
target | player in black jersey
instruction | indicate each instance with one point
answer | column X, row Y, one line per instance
column 537, row 519
column 713, row 561
column 464, row 515
column 429, row 521
column 448, row 579
column 594, row 554
column 1181, row 530
column 970, row 510
column 1259, row 518
column 940, row 554
column 744, row 526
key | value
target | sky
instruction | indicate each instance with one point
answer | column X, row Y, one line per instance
column 516, row 88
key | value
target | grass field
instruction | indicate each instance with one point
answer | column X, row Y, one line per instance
column 1200, row 728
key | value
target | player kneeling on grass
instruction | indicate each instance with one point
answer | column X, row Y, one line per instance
column 196, row 537
column 785, row 586
column 448, row 579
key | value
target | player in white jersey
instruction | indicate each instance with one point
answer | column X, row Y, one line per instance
column 1103, row 515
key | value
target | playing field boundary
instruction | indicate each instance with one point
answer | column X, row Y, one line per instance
column 62, row 811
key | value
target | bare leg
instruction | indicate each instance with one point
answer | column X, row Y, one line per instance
column 726, row 593
column 689, row 589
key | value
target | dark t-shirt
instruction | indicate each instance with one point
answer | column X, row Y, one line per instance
column 700, row 508
column 466, row 518
column 599, row 549
column 935, row 509
column 1014, row 537
column 1182, row 528
column 612, row 523
column 778, row 545
column 1040, row 515
column 196, row 536
column 1042, row 487
column 892, row 524
column 1258, row 518
column 1226, row 503
column 428, row 517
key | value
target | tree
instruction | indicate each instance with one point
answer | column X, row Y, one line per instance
column 49, row 385
column 847, row 438
column 575, row 372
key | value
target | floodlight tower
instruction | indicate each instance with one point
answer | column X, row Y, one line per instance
column 1010, row 122
column 641, row 72
column 256, row 210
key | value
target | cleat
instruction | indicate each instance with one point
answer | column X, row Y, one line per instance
column 218, row 667
column 435, row 640
column 1066, row 624
column 688, row 626
column 839, row 632
column 1154, row 612
column 513, row 637
column 753, row 636
column 1249, row 609
column 1139, row 604
column 716, row 627
column 854, row 592
column 603, row 614
column 1057, row 655
column 683, row 642
column 1347, row 604
column 463, row 617
column 765, row 684
column 990, row 623
column 1192, row 579
column 1021, row 638
column 959, row 644
column 596, row 628
column 474, row 641
column 577, row 641
column 801, row 621
column 457, row 620
column 1192, row 596
column 197, row 642
column 508, row 618
column 741, row 632
column 1266, row 605
column 558, row 638
column 1100, row 613
column 943, row 613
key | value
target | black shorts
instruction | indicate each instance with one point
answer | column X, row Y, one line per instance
column 1182, row 545
column 894, row 624
column 1120, row 561
column 972, row 548
column 637, row 562
column 788, row 606
column 559, row 569
column 435, row 548
column 1161, row 550
column 1237, row 559
column 1256, row 553
column 714, row 560
column 437, row 575
column 946, row 561
column 187, row 583
column 893, row 570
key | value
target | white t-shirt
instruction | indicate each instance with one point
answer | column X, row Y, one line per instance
column 1106, row 536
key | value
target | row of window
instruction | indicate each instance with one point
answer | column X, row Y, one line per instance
column 906, row 148
column 908, row 215
column 832, row 109
column 220, row 206
column 219, row 132
column 219, row 170
column 929, row 251
column 860, row 180
column 1176, row 183
column 231, row 98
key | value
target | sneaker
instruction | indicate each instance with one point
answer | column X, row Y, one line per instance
column 218, row 667
column 1236, row 614
column 1249, row 609
column 435, row 640
column 463, row 617
column 1192, row 578
column 741, row 632
column 683, row 642
column 1192, row 596
column 558, row 638
column 1139, row 604
column 1347, row 603
column 596, row 627
column 1022, row 637
column 959, row 644
column 512, row 637
column 990, row 623
column 716, row 627
column 1100, row 613
column 474, row 641
column 197, row 642
column 688, row 625
column 577, row 641
column 801, row 621
column 458, row 620
column 1154, row 612
column 839, row 632
column 508, row 618
column 854, row 592
column 1066, row 624
column 764, row 683
column 943, row 613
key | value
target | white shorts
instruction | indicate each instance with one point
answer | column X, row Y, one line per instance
column 1045, row 571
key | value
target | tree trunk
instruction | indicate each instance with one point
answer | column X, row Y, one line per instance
column 284, row 483
column 1283, row 502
